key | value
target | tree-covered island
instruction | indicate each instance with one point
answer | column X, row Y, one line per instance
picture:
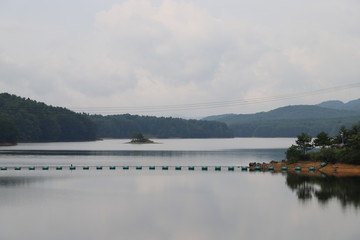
column 139, row 138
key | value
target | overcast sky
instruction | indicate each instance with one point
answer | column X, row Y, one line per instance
column 187, row 58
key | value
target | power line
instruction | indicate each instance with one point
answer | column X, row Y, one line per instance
column 211, row 105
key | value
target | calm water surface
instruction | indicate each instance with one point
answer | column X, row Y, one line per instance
column 133, row 204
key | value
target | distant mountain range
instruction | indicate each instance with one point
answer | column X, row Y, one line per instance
column 290, row 121
column 339, row 105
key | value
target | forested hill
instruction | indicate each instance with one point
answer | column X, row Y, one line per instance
column 123, row 126
column 289, row 121
column 25, row 120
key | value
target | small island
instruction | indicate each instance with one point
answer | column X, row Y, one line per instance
column 138, row 138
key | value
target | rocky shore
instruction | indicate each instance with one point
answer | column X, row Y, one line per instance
column 308, row 168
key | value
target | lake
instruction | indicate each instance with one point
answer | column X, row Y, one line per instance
column 169, row 204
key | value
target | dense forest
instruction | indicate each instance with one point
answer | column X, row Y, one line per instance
column 289, row 121
column 123, row 126
column 25, row 120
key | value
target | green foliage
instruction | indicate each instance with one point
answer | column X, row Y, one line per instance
column 293, row 154
column 322, row 140
column 122, row 126
column 138, row 137
column 345, row 147
column 303, row 142
column 8, row 133
column 37, row 122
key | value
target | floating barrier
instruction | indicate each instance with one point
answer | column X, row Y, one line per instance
column 204, row 168
column 311, row 169
column 257, row 168
column 176, row 168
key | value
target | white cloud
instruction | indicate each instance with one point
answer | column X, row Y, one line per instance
column 145, row 52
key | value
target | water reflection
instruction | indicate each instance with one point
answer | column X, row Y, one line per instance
column 324, row 188
column 14, row 181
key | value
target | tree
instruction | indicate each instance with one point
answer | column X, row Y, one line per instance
column 322, row 140
column 138, row 137
column 293, row 154
column 304, row 142
column 8, row 133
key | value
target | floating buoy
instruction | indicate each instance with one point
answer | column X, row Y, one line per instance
column 284, row 169
column 204, row 168
column 138, row 167
column 152, row 167
column 191, row 168
column 165, row 168
column 126, row 167
column 86, row 167
column 311, row 169
column 297, row 168
column 257, row 168
column 270, row 168
column 3, row 168
column 217, row 168
column 45, row 168
column 31, row 168
column 231, row 168
column 244, row 168
column 17, row 168
column 99, row 167
column 58, row 168
column 112, row 167
column 178, row 168
column 72, row 167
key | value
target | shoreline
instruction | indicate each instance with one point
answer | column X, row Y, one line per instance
column 312, row 168
column 7, row 144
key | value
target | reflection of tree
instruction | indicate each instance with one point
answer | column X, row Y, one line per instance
column 17, row 181
column 346, row 189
